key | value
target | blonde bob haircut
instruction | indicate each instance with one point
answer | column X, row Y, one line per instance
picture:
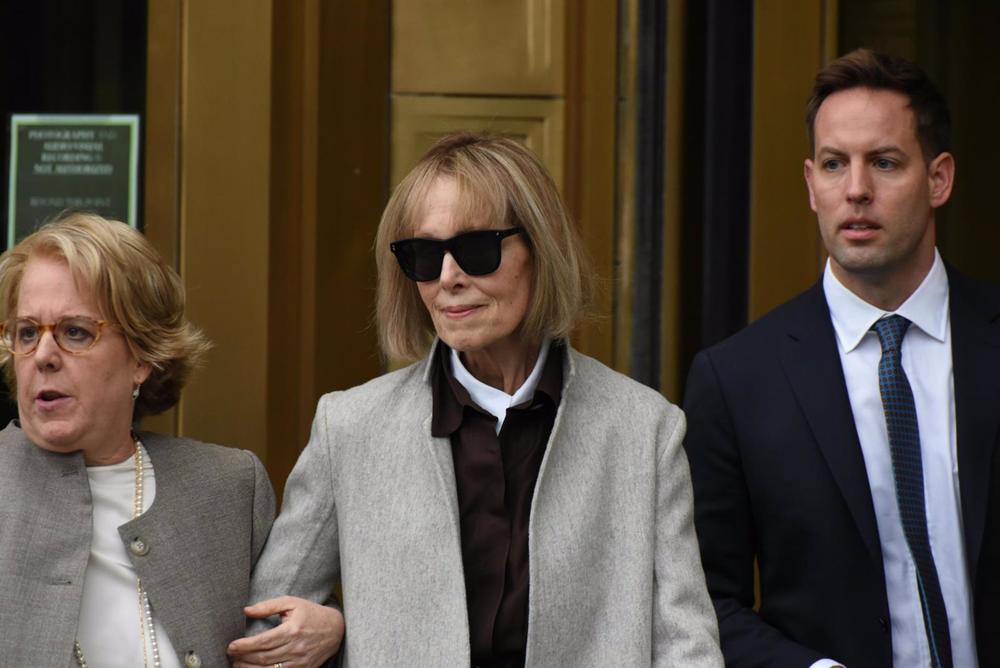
column 501, row 184
column 134, row 289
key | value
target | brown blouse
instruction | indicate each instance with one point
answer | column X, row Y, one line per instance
column 495, row 476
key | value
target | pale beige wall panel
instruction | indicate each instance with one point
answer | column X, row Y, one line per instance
column 419, row 121
column 225, row 163
column 478, row 46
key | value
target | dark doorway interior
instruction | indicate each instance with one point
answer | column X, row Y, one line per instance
column 69, row 56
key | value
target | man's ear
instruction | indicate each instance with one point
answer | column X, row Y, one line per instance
column 807, row 172
column 941, row 178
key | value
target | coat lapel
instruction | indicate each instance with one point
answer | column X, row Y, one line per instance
column 975, row 335
column 812, row 364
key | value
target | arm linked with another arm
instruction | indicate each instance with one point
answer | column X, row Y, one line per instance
column 293, row 583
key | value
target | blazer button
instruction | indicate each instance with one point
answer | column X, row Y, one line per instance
column 884, row 623
column 139, row 547
column 192, row 660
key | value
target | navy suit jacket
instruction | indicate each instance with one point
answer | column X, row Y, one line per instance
column 779, row 477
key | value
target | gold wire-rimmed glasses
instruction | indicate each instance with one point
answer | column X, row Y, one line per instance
column 74, row 334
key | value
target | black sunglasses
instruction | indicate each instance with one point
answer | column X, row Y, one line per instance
column 477, row 253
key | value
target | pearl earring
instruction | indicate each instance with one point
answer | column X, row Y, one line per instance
column 135, row 392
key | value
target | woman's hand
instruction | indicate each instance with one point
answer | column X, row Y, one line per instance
column 309, row 634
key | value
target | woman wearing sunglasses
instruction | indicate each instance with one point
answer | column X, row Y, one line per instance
column 117, row 548
column 505, row 501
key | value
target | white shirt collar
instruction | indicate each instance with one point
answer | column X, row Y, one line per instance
column 853, row 317
column 492, row 400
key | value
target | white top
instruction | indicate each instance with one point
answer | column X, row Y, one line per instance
column 490, row 399
column 108, row 631
column 926, row 359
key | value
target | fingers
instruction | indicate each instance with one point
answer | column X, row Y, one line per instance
column 308, row 634
column 268, row 640
column 283, row 664
column 272, row 606
column 269, row 658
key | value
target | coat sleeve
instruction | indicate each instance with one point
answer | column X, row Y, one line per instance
column 263, row 507
column 302, row 555
column 726, row 530
column 685, row 632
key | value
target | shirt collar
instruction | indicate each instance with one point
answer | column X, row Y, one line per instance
column 450, row 397
column 492, row 400
column 551, row 383
column 853, row 317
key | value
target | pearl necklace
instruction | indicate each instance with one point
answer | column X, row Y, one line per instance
column 145, row 612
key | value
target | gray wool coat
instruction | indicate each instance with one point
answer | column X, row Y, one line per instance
column 615, row 573
column 204, row 532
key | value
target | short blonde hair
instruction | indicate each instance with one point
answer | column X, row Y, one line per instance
column 134, row 288
column 502, row 184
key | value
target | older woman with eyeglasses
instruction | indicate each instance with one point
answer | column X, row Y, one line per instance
column 506, row 501
column 117, row 548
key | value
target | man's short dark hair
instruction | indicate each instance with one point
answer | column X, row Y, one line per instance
column 863, row 68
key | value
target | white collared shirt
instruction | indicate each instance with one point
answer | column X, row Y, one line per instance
column 927, row 361
column 492, row 400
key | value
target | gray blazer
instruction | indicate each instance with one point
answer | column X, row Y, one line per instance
column 615, row 576
column 204, row 531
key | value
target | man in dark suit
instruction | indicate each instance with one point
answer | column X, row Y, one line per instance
column 846, row 442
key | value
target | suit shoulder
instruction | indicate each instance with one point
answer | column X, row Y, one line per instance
column 974, row 290
column 12, row 438
column 190, row 454
column 16, row 452
column 760, row 335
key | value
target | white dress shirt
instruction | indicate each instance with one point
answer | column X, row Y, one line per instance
column 927, row 361
column 495, row 401
column 108, row 631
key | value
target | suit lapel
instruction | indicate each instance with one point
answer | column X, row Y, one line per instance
column 975, row 336
column 811, row 362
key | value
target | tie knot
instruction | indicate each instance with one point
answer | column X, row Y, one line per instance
column 890, row 331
